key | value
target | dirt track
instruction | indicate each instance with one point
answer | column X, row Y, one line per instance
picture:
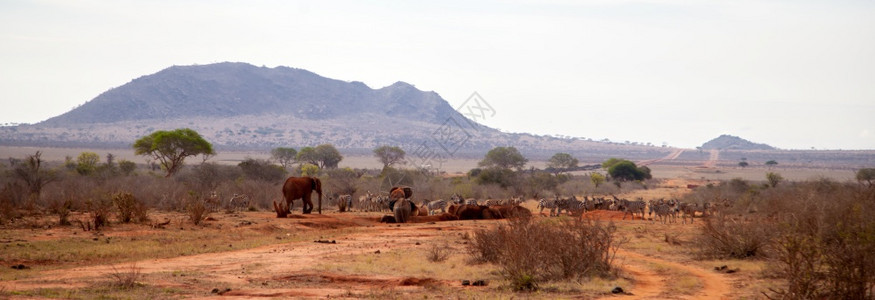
column 284, row 270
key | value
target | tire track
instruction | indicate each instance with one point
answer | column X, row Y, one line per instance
column 650, row 284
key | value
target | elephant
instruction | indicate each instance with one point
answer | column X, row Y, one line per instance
column 402, row 210
column 401, row 206
column 302, row 188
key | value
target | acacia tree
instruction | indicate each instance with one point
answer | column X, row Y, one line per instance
column 284, row 156
column 503, row 158
column 627, row 170
column 389, row 155
column 562, row 161
column 170, row 148
column 324, row 156
column 867, row 175
column 32, row 173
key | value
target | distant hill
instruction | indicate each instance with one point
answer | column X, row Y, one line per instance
column 234, row 89
column 243, row 107
column 729, row 142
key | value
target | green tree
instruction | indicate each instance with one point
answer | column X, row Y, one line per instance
column 324, row 156
column 309, row 169
column 503, row 158
column 328, row 156
column 389, row 155
column 562, row 161
column 627, row 171
column 866, row 174
column 743, row 164
column 771, row 163
column 259, row 169
column 774, row 178
column 597, row 179
column 307, row 155
column 86, row 162
column 170, row 148
column 127, row 167
column 284, row 156
column 610, row 162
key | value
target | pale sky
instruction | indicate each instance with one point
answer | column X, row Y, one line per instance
column 792, row 74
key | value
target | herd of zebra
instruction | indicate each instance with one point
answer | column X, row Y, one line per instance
column 373, row 202
column 666, row 210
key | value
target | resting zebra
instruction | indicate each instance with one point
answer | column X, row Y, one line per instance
column 435, row 205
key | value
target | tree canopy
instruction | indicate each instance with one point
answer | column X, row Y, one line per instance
column 284, row 156
column 170, row 148
column 866, row 174
column 562, row 161
column 625, row 170
column 324, row 156
column 504, row 158
column 389, row 155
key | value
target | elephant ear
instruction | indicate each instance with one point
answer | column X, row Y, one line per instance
column 313, row 183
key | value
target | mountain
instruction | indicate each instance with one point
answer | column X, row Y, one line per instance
column 233, row 89
column 729, row 142
column 238, row 106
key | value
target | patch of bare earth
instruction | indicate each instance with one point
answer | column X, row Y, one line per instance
column 287, row 270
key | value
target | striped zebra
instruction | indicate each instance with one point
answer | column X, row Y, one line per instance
column 664, row 211
column 344, row 202
column 435, row 205
column 691, row 210
column 457, row 199
column 576, row 207
column 547, row 203
column 632, row 207
column 493, row 202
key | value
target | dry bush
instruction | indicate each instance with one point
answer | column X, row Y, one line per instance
column 529, row 252
column 61, row 207
column 98, row 210
column 129, row 208
column 827, row 245
column 725, row 237
column 195, row 208
column 125, row 278
column 438, row 253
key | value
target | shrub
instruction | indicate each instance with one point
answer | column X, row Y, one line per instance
column 129, row 207
column 98, row 213
column 195, row 208
column 438, row 253
column 527, row 251
column 723, row 237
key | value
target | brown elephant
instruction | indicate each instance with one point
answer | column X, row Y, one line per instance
column 401, row 206
column 302, row 188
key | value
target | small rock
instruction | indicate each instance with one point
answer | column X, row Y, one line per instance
column 466, row 282
column 377, row 252
column 732, row 271
column 479, row 283
column 417, row 243
column 216, row 290
column 617, row 290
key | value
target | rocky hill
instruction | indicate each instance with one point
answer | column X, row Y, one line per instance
column 241, row 106
column 729, row 142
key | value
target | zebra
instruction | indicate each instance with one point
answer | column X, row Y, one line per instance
column 575, row 206
column 457, row 199
column 547, row 203
column 664, row 211
column 437, row 204
column 632, row 207
column 239, row 202
column 691, row 210
column 345, row 201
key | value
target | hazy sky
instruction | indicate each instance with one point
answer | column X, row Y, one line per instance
column 792, row 74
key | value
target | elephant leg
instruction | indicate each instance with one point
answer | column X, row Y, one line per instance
column 308, row 204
